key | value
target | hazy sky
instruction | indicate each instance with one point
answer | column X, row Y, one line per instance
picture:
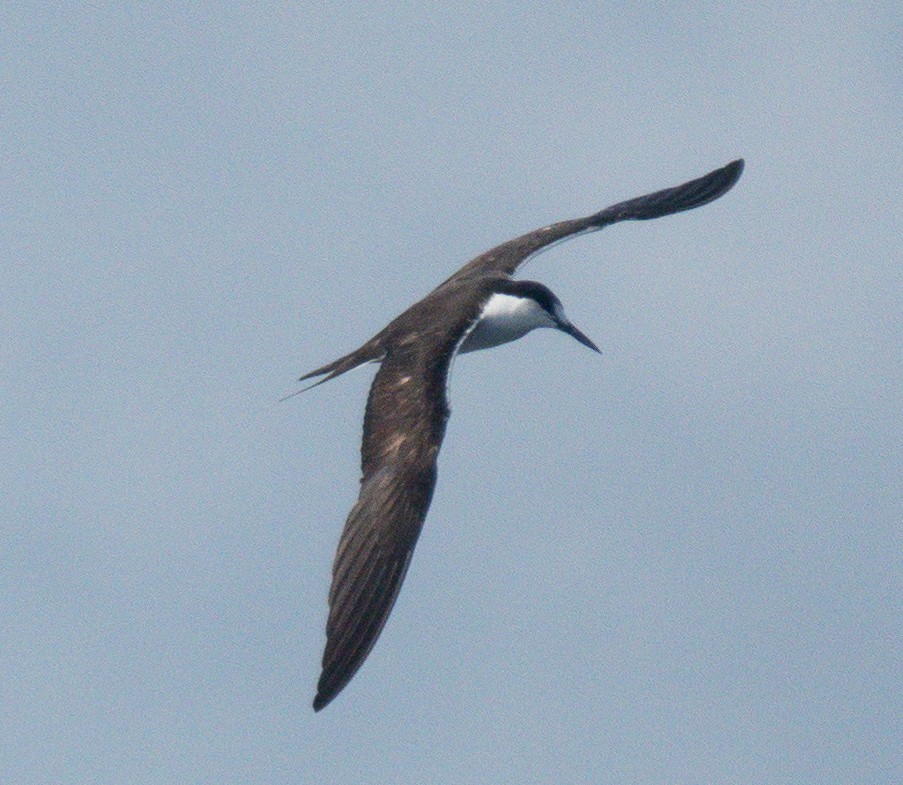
column 677, row 562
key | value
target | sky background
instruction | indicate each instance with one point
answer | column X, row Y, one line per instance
column 680, row 561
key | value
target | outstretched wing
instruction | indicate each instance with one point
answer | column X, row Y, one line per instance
column 504, row 259
column 403, row 429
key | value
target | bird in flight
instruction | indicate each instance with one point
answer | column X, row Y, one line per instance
column 478, row 307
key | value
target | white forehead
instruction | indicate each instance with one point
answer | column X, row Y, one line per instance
column 524, row 310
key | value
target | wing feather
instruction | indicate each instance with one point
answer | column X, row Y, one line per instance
column 403, row 430
column 504, row 259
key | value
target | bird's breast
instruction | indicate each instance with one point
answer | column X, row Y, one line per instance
column 505, row 318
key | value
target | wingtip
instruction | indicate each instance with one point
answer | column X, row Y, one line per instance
column 325, row 695
column 734, row 169
column 713, row 185
column 720, row 181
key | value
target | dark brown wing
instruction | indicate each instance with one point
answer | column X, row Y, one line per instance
column 504, row 259
column 403, row 429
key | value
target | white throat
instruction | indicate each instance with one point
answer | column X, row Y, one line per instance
column 505, row 318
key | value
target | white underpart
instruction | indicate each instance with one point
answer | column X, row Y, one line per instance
column 505, row 318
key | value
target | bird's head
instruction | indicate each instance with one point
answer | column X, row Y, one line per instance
column 540, row 304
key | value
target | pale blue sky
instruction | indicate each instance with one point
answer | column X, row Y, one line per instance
column 676, row 562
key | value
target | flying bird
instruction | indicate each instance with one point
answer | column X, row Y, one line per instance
column 478, row 307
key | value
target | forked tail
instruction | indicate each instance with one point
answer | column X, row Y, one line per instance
column 371, row 351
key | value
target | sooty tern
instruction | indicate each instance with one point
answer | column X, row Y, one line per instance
column 480, row 306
